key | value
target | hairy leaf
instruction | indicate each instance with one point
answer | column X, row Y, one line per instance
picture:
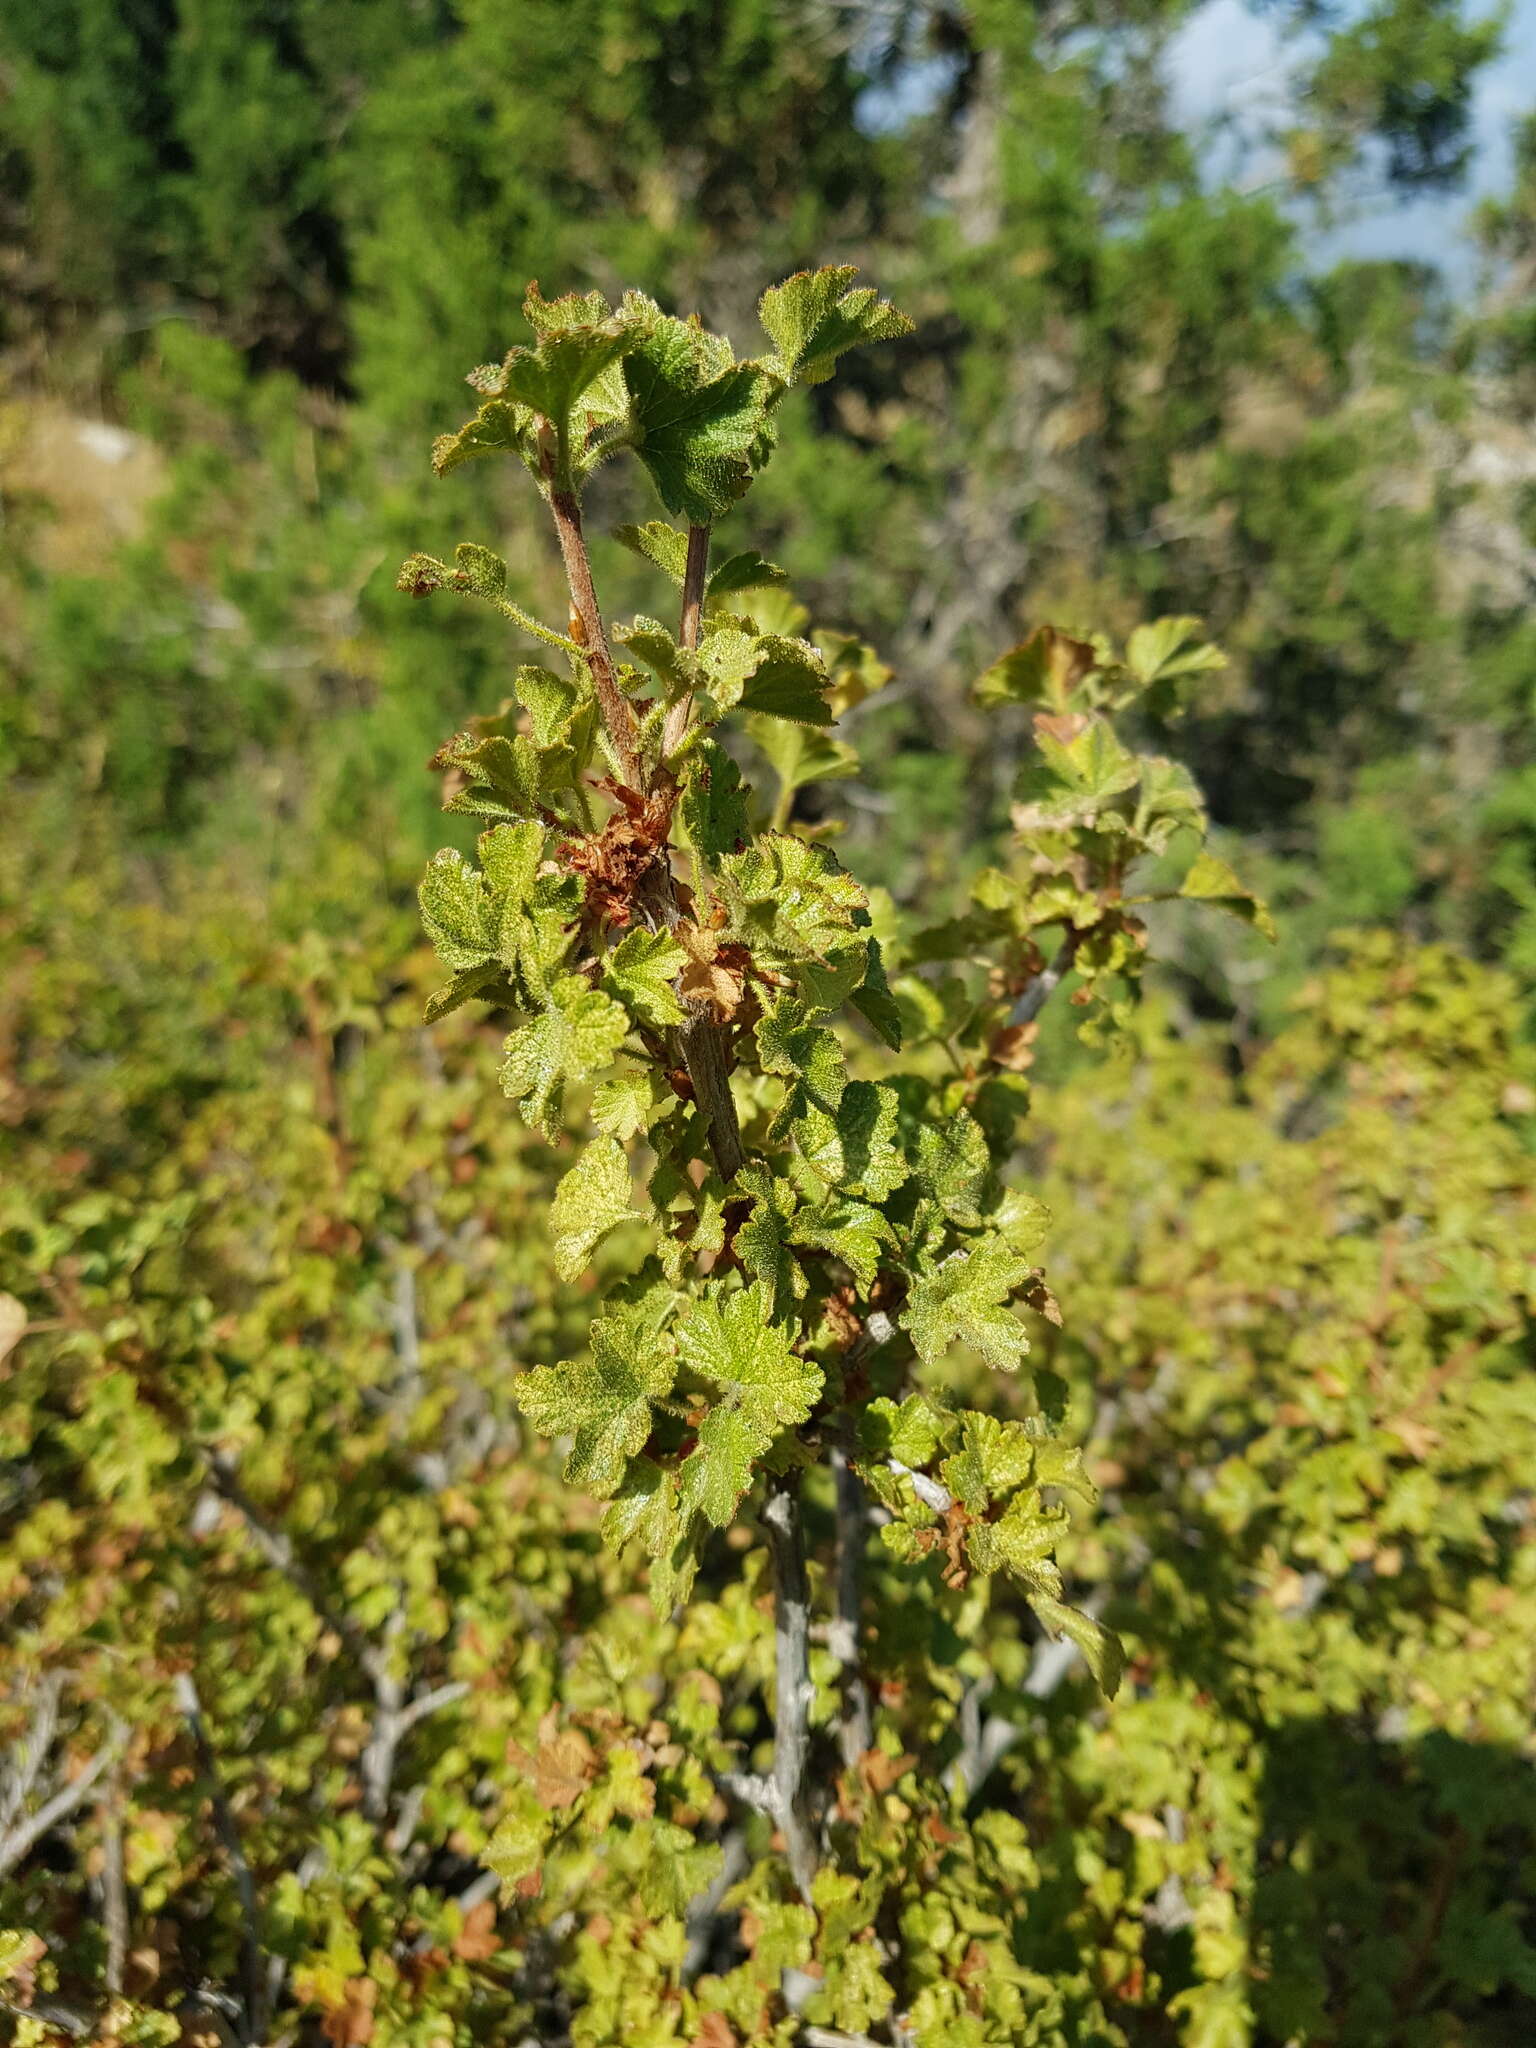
column 577, row 1033
column 964, row 1302
column 640, row 971
column 693, row 420
column 730, row 1342
column 592, row 1199
column 603, row 1402
column 817, row 315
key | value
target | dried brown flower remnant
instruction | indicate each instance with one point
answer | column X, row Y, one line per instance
column 617, row 860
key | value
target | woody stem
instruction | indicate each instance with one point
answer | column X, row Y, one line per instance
column 695, row 576
column 618, row 714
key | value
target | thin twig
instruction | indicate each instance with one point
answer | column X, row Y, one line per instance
column 695, row 577
column 277, row 1548
column 618, row 712
column 933, row 1493
column 751, row 1789
column 251, row 1968
column 114, row 1891
column 394, row 1715
column 19, row 1841
column 1045, row 984
column 793, row 1690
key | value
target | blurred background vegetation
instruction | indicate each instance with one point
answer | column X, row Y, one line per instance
column 250, row 247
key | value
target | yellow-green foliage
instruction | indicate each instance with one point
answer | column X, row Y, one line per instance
column 1299, row 1298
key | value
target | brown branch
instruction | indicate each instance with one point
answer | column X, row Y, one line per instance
column 695, row 577
column 704, row 1047
column 618, row 712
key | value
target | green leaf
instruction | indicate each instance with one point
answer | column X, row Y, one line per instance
column 693, row 421
column 805, row 1053
column 712, row 810
column 789, row 900
column 1211, row 881
column 510, row 777
column 1160, row 651
column 850, row 1230
column 644, row 1508
column 1081, row 770
column 579, row 1031
column 559, row 712
column 529, row 917
column 964, row 1302
column 640, row 971
column 1043, row 670
column 762, row 1239
column 910, row 1432
column 948, row 1151
column 457, row 911
column 551, row 378
column 592, row 1199
column 747, row 570
column 788, row 680
column 463, row 988
column 479, row 572
column 570, row 309
column 873, row 999
column 718, row 1471
column 516, row 1848
column 603, row 1403
column 666, row 548
column 674, row 1869
column 731, row 1342
column 815, row 316
column 496, row 429
column 1022, row 1541
column 995, row 1458
column 799, row 755
column 649, row 640
column 626, row 1103
column 663, row 546
column 856, row 1149
column 1022, row 1220
column 1103, row 1651
column 1167, row 802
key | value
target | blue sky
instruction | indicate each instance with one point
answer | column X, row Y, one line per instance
column 1228, row 68
column 1228, row 65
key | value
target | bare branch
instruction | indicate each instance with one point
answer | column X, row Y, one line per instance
column 857, row 1730
column 752, row 1789
column 933, row 1493
column 27, row 1831
column 704, row 1911
column 792, row 1676
column 1045, row 984
column 114, row 1892
column 277, row 1548
column 252, row 1969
